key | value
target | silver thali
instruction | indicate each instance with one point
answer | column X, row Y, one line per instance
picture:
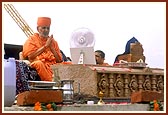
column 41, row 84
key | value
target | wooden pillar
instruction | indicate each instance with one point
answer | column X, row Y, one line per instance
column 140, row 82
column 153, row 83
column 126, row 88
column 111, row 83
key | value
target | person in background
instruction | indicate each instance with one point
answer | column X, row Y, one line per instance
column 127, row 49
column 65, row 58
column 100, row 57
column 42, row 50
column 5, row 56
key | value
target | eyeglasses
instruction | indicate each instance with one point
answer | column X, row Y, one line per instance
column 45, row 28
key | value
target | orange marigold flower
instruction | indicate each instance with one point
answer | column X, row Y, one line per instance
column 155, row 101
column 156, row 107
column 44, row 106
column 37, row 108
column 37, row 104
column 48, row 106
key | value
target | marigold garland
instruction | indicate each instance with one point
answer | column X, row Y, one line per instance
column 45, row 106
column 156, row 106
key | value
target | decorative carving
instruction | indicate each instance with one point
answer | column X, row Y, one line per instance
column 147, row 69
column 118, row 85
column 113, row 81
column 133, row 84
column 160, row 84
column 147, row 84
column 103, row 84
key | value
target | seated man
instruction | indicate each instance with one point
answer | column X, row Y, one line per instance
column 100, row 57
column 42, row 50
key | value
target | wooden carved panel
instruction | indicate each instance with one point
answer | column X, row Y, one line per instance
column 103, row 84
column 119, row 86
column 133, row 84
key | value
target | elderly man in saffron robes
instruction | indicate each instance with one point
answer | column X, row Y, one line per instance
column 42, row 50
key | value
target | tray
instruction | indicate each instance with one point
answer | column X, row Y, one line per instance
column 41, row 84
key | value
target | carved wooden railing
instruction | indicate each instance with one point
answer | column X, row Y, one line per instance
column 122, row 83
column 112, row 81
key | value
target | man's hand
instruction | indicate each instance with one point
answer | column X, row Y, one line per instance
column 42, row 49
column 49, row 41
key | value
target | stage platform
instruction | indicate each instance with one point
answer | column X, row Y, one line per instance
column 85, row 107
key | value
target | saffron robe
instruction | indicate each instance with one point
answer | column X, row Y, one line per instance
column 43, row 61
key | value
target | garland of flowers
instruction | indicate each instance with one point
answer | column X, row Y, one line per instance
column 156, row 106
column 45, row 106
